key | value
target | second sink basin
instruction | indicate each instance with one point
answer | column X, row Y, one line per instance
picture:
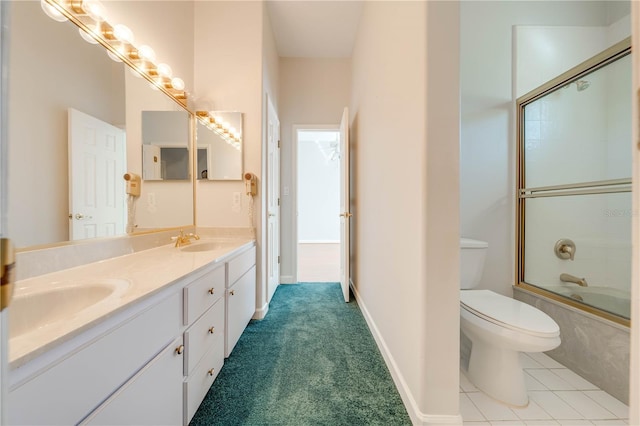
column 39, row 308
column 205, row 246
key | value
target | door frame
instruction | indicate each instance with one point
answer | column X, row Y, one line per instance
column 294, row 186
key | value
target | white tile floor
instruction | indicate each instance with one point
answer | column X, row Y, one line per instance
column 557, row 396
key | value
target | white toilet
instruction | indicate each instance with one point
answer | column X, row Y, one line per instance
column 499, row 328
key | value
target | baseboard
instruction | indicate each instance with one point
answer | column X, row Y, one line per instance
column 429, row 420
column 287, row 279
column 261, row 313
column 417, row 417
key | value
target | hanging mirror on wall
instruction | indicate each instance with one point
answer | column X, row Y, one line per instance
column 165, row 145
column 219, row 146
column 574, row 186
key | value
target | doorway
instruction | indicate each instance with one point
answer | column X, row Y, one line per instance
column 318, row 204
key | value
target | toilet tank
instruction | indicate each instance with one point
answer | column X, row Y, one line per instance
column 472, row 256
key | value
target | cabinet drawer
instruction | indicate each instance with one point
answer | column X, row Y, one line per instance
column 241, row 305
column 198, row 383
column 202, row 293
column 151, row 397
column 208, row 330
column 240, row 264
column 88, row 376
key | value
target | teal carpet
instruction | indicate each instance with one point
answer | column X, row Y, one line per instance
column 311, row 361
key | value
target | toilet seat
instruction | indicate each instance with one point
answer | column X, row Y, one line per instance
column 509, row 313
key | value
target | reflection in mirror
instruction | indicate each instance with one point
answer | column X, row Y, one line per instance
column 219, row 141
column 165, row 145
column 41, row 173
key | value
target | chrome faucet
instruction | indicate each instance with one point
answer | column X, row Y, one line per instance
column 571, row 279
column 183, row 240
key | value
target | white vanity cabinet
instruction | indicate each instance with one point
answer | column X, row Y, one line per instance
column 240, row 296
column 204, row 316
column 151, row 362
column 65, row 390
column 151, row 397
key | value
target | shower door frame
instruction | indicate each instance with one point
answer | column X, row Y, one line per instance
column 601, row 60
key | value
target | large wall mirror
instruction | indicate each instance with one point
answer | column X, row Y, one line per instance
column 64, row 90
column 219, row 142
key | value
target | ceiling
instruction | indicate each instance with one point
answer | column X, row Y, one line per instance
column 314, row 29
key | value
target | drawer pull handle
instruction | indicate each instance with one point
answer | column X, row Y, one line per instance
column 180, row 349
column 210, row 372
column 211, row 330
column 212, row 290
column 232, row 292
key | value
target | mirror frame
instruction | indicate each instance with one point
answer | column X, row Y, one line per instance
column 613, row 53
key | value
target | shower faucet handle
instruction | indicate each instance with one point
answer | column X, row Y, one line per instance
column 565, row 249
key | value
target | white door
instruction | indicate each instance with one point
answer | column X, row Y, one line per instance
column 273, row 200
column 151, row 162
column 344, row 204
column 3, row 208
column 96, row 189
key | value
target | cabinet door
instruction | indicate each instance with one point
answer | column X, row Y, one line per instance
column 88, row 376
column 151, row 397
column 241, row 305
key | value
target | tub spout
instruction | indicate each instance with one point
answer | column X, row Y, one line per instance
column 571, row 279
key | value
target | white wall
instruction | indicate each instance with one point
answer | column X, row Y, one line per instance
column 312, row 91
column 318, row 188
column 405, row 204
column 487, row 124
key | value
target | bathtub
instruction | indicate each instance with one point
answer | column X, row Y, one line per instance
column 612, row 300
column 592, row 346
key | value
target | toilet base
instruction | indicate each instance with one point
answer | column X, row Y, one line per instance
column 498, row 372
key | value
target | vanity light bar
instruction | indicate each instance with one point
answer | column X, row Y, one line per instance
column 227, row 133
column 91, row 17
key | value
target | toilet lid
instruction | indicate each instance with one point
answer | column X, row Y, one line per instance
column 508, row 312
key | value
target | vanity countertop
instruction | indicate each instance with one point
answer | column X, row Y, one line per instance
column 142, row 274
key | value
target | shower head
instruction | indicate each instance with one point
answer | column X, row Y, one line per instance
column 582, row 85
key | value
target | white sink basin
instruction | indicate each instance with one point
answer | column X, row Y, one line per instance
column 39, row 308
column 205, row 246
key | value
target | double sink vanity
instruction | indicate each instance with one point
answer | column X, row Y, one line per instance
column 134, row 339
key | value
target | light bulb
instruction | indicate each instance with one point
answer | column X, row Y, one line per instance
column 146, row 53
column 52, row 12
column 164, row 70
column 177, row 83
column 123, row 34
column 95, row 10
column 89, row 36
